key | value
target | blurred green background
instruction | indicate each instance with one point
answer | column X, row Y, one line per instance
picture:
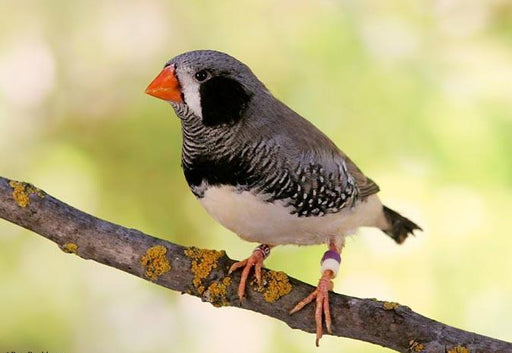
column 418, row 93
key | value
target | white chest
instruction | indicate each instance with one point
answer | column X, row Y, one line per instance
column 256, row 220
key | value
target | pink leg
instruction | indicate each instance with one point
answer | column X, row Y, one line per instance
column 321, row 293
column 256, row 259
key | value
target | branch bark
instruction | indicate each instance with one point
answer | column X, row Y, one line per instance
column 203, row 273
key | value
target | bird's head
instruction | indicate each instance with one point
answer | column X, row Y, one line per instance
column 214, row 86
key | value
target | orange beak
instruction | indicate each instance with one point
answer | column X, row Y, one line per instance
column 165, row 86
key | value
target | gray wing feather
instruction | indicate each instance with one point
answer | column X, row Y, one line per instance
column 300, row 141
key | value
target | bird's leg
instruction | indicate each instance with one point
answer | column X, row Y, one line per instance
column 259, row 254
column 330, row 265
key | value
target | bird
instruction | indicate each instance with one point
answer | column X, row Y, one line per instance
column 266, row 173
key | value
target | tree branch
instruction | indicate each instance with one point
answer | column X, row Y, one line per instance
column 203, row 273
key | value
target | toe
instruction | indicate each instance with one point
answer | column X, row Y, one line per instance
column 318, row 318
column 237, row 265
column 327, row 313
column 303, row 302
column 257, row 272
column 243, row 280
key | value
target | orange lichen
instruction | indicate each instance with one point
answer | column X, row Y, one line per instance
column 274, row 285
column 217, row 291
column 203, row 262
column 459, row 349
column 70, row 248
column 155, row 262
column 415, row 346
column 22, row 191
column 390, row 305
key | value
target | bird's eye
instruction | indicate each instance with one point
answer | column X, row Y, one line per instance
column 201, row 75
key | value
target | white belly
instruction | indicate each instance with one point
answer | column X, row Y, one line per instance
column 256, row 220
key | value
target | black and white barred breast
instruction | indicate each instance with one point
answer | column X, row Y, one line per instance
column 310, row 189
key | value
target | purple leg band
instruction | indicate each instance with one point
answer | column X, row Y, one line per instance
column 330, row 254
column 264, row 249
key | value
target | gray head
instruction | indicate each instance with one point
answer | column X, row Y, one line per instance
column 214, row 86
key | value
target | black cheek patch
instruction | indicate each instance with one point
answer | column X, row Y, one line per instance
column 223, row 101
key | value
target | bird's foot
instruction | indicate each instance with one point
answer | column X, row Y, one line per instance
column 321, row 294
column 330, row 265
column 255, row 260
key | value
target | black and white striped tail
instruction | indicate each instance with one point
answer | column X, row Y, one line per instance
column 399, row 226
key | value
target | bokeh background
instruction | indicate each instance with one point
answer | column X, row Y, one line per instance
column 418, row 93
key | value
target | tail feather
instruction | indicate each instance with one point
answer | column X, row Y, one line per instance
column 399, row 227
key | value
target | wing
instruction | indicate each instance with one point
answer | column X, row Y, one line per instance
column 290, row 159
column 365, row 185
